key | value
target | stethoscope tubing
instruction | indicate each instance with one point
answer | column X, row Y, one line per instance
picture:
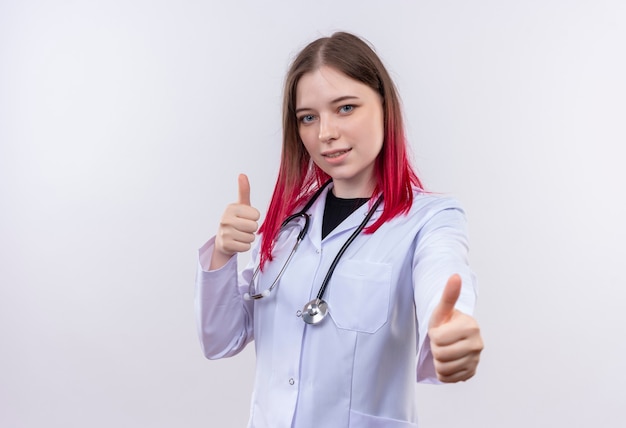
column 299, row 239
column 345, row 246
column 315, row 310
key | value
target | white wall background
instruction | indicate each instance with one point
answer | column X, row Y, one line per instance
column 124, row 124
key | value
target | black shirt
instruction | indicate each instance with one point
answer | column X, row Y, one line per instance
column 337, row 210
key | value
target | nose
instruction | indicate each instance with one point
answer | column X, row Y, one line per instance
column 328, row 130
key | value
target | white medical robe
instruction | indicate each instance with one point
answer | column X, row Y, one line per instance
column 358, row 367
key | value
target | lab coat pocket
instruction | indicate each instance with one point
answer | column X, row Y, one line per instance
column 359, row 295
column 361, row 420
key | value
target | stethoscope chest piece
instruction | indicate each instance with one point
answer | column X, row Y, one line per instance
column 314, row 311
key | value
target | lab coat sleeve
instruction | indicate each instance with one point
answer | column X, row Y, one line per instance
column 441, row 251
column 223, row 318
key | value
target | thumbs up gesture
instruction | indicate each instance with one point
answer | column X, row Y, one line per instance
column 455, row 340
column 237, row 227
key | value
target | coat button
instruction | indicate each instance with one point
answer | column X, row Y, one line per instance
column 291, row 381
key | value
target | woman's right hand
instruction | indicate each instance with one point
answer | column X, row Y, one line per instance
column 237, row 227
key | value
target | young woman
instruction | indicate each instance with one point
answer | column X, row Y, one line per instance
column 378, row 291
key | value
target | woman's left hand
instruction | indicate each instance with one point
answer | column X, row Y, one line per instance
column 455, row 340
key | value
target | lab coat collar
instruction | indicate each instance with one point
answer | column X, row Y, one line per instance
column 349, row 224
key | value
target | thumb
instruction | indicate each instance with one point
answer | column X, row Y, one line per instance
column 444, row 310
column 244, row 189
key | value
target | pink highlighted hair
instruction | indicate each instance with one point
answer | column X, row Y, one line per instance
column 299, row 177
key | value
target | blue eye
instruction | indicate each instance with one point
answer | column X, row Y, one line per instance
column 307, row 118
column 346, row 109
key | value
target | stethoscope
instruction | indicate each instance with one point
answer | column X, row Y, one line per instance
column 317, row 309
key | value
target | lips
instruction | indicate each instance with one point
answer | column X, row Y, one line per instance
column 335, row 153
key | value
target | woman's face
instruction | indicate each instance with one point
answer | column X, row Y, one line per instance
column 340, row 121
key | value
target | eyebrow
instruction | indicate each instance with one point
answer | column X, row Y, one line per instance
column 335, row 101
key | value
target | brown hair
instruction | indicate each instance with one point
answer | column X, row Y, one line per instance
column 298, row 177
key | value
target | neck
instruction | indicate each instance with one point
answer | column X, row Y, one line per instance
column 346, row 191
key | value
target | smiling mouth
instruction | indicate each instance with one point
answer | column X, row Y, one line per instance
column 336, row 154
